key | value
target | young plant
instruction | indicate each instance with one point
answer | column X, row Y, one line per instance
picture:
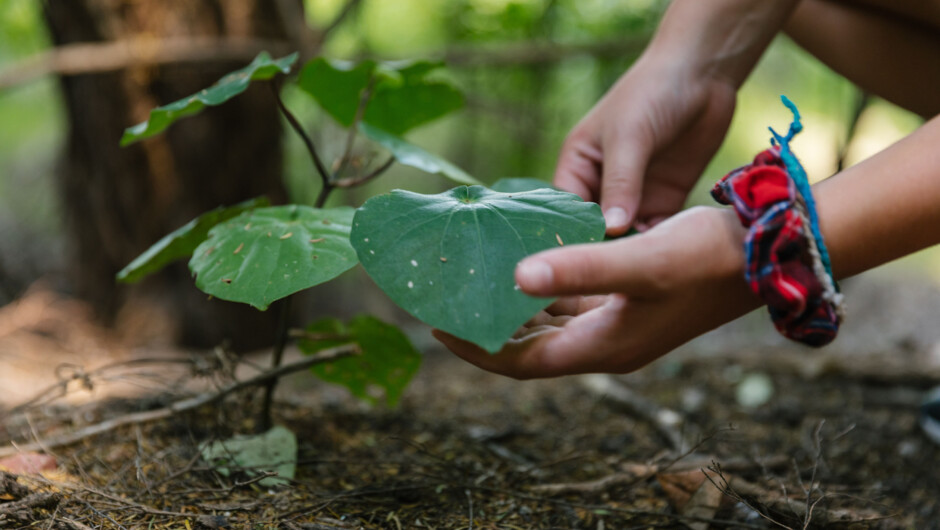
column 448, row 259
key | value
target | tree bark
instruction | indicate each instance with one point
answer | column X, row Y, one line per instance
column 118, row 201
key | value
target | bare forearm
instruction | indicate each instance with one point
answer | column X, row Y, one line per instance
column 720, row 37
column 885, row 207
column 889, row 55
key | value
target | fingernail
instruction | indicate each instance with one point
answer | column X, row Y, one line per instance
column 535, row 276
column 616, row 218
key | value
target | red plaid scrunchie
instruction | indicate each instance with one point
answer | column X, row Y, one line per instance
column 779, row 249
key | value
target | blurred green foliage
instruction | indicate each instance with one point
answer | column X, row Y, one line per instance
column 32, row 122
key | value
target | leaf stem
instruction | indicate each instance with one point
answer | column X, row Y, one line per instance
column 292, row 120
column 280, row 341
column 352, row 182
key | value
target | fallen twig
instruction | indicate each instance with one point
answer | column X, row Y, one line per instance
column 666, row 421
column 327, row 355
column 89, row 58
column 635, row 472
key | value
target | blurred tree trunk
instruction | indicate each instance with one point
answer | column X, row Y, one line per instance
column 118, row 201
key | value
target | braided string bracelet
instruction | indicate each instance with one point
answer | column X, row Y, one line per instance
column 788, row 265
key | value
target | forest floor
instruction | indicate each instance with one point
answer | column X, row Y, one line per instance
column 824, row 439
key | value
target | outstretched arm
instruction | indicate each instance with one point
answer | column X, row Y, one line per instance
column 685, row 276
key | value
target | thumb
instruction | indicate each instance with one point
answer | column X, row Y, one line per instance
column 625, row 159
column 623, row 266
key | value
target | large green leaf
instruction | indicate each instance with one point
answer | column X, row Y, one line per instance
column 411, row 155
column 449, row 259
column 269, row 253
column 233, row 84
column 181, row 242
column 387, row 363
column 274, row 450
column 414, row 101
column 403, row 94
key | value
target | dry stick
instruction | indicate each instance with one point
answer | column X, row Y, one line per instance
column 89, row 58
column 327, row 355
column 614, row 509
column 634, row 472
column 81, row 375
column 31, row 502
column 667, row 422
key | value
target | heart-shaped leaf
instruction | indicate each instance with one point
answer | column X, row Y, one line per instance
column 402, row 94
column 269, row 253
column 449, row 259
column 181, row 242
column 233, row 84
column 387, row 363
column 409, row 154
column 520, row 184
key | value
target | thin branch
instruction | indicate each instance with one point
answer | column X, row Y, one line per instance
column 79, row 374
column 353, row 182
column 347, row 9
column 98, row 57
column 327, row 355
column 292, row 120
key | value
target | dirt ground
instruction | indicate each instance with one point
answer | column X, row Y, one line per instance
column 829, row 439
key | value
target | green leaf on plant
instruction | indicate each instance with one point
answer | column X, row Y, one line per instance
column 233, row 84
column 449, row 259
column 274, row 450
column 409, row 154
column 181, row 242
column 387, row 363
column 336, row 85
column 520, row 184
column 403, row 94
column 269, row 253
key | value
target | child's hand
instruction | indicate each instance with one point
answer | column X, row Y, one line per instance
column 669, row 285
column 643, row 146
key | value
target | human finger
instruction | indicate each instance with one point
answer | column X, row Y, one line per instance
column 633, row 265
column 578, row 168
column 626, row 156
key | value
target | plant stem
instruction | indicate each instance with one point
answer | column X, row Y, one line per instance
column 324, row 194
column 292, row 120
column 360, row 180
column 280, row 341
